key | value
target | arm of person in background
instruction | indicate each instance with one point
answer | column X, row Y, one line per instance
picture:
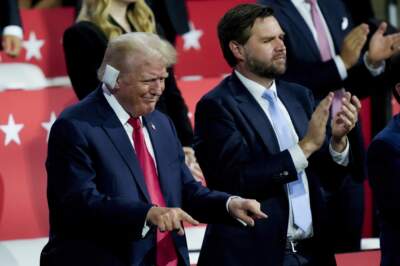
column 12, row 33
column 84, row 47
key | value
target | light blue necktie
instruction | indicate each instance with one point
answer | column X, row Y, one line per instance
column 296, row 190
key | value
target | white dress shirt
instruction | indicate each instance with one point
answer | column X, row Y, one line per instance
column 299, row 159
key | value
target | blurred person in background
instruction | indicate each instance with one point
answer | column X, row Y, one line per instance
column 383, row 162
column 85, row 43
column 10, row 27
column 172, row 16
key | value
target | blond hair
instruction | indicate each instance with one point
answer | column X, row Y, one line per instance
column 97, row 12
column 139, row 45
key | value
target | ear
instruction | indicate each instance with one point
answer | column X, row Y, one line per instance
column 237, row 50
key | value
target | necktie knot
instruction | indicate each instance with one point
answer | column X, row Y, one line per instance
column 135, row 122
column 270, row 96
column 312, row 2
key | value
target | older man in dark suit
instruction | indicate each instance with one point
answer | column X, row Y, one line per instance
column 258, row 136
column 116, row 170
column 10, row 27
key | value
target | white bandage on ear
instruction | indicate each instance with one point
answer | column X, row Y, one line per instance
column 110, row 76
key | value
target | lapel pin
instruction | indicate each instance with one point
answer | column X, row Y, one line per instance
column 153, row 126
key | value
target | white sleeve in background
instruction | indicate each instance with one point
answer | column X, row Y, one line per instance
column 375, row 71
column 341, row 67
column 13, row 30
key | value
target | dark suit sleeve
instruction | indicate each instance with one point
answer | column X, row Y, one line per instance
column 9, row 14
column 76, row 205
column 383, row 162
column 230, row 163
column 84, row 50
column 200, row 202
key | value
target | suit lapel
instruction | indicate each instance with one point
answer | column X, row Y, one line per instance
column 289, row 10
column 294, row 109
column 254, row 114
column 113, row 128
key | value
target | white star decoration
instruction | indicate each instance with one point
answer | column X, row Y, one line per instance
column 32, row 47
column 12, row 131
column 191, row 39
column 47, row 125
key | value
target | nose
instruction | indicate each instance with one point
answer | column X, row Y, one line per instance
column 157, row 86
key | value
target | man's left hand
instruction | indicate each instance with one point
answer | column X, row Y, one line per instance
column 344, row 121
column 246, row 210
column 382, row 47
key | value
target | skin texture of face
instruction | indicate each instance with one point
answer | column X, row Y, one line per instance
column 265, row 52
column 139, row 89
column 263, row 57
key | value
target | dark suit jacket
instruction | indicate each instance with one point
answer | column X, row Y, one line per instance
column 304, row 60
column 84, row 48
column 9, row 14
column 97, row 195
column 384, row 176
column 306, row 67
column 172, row 15
column 238, row 152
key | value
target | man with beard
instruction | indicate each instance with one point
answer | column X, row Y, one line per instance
column 260, row 137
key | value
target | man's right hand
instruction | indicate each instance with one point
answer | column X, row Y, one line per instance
column 315, row 135
column 169, row 219
column 353, row 44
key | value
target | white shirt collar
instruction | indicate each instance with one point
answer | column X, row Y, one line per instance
column 122, row 115
column 255, row 88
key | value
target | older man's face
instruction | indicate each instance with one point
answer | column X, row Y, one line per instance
column 140, row 89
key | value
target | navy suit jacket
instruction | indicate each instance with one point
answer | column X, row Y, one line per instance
column 97, row 195
column 9, row 14
column 384, row 176
column 239, row 153
column 305, row 65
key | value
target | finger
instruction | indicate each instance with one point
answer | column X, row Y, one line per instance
column 345, row 121
column 382, row 28
column 242, row 215
column 254, row 209
column 183, row 216
column 356, row 102
column 348, row 114
column 178, row 226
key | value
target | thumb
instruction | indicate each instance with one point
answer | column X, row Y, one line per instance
column 382, row 28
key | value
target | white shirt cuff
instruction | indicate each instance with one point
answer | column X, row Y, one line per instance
column 341, row 158
column 341, row 67
column 145, row 230
column 13, row 30
column 375, row 71
column 299, row 159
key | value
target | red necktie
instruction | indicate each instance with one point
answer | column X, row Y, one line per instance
column 165, row 250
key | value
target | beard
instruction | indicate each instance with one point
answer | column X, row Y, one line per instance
column 270, row 70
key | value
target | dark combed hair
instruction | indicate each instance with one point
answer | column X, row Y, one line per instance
column 236, row 25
